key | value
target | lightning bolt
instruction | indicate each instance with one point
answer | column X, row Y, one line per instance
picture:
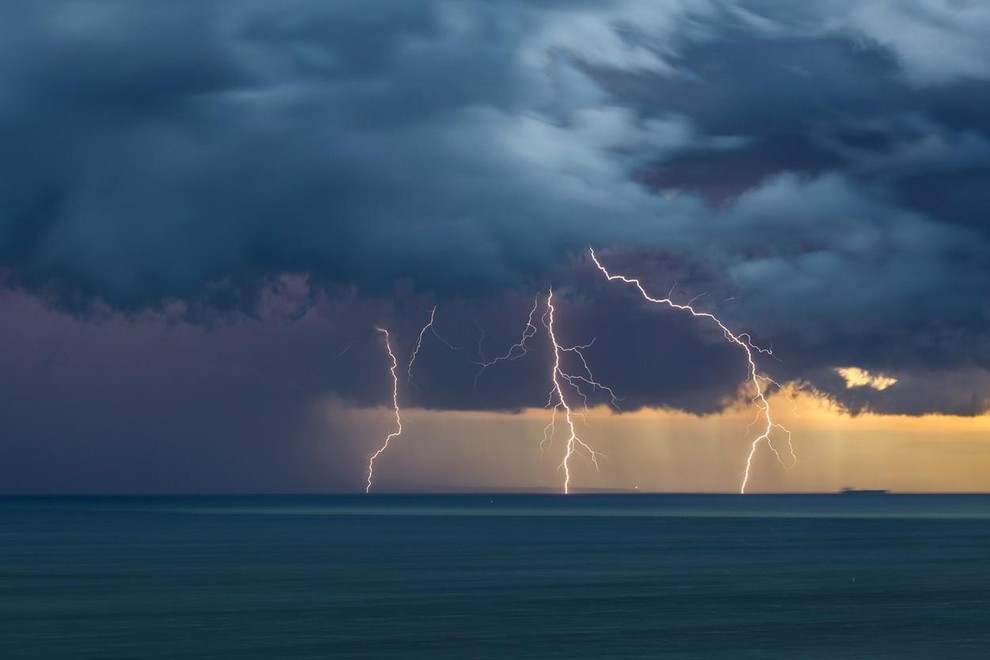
column 394, row 369
column 558, row 377
column 515, row 351
column 563, row 382
column 743, row 341
column 429, row 327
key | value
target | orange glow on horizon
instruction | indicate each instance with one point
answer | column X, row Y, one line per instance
column 674, row 451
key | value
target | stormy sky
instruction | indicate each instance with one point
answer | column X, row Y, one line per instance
column 206, row 208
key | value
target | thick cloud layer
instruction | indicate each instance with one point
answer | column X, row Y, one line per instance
column 828, row 164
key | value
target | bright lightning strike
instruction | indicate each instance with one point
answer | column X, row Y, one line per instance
column 395, row 384
column 742, row 340
column 562, row 382
column 558, row 376
column 395, row 405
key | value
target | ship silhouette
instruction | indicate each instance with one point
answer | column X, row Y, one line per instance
column 863, row 491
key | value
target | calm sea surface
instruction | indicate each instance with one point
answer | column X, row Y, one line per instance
column 854, row 576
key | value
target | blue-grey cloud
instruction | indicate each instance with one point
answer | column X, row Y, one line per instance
column 825, row 163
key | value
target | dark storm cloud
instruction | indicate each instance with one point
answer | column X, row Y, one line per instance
column 156, row 404
column 647, row 357
column 825, row 163
column 152, row 403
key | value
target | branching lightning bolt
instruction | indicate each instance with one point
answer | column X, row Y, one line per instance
column 743, row 341
column 419, row 343
column 394, row 369
column 562, row 381
column 515, row 351
column 395, row 384
column 587, row 378
column 558, row 376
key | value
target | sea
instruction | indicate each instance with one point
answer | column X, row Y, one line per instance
column 496, row 576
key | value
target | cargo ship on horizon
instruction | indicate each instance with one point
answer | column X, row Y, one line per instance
column 864, row 491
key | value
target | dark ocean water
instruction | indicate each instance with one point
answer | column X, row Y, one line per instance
column 496, row 576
